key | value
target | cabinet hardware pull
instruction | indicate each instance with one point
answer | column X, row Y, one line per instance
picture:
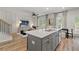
column 33, row 42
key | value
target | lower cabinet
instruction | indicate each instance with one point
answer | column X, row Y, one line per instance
column 53, row 44
column 56, row 39
column 34, row 43
column 48, row 43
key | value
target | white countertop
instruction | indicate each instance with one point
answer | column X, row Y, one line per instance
column 41, row 33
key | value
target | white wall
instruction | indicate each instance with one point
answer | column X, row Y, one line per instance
column 17, row 17
column 5, row 16
column 14, row 16
column 34, row 20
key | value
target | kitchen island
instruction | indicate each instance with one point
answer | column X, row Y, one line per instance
column 43, row 40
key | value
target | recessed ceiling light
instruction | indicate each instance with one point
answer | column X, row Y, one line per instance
column 47, row 8
column 63, row 8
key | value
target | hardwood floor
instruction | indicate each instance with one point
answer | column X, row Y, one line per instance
column 20, row 44
column 69, row 45
column 17, row 44
column 65, row 45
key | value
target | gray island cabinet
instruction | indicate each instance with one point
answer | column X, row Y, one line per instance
column 47, row 42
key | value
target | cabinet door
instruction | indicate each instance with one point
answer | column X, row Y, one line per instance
column 34, row 43
column 47, row 45
column 57, row 38
column 53, row 43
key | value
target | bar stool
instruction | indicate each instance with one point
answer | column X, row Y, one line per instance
column 70, row 33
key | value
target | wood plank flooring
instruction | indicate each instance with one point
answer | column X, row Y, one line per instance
column 69, row 45
column 65, row 45
column 17, row 44
column 20, row 44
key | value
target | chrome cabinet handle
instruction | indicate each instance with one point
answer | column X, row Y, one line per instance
column 33, row 42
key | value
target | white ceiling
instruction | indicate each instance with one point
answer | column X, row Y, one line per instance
column 40, row 10
column 45, row 10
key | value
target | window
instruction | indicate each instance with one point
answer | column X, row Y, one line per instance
column 77, row 21
column 76, row 24
column 41, row 22
column 59, row 20
column 0, row 25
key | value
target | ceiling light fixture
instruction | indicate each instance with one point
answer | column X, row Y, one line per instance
column 63, row 8
column 47, row 8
